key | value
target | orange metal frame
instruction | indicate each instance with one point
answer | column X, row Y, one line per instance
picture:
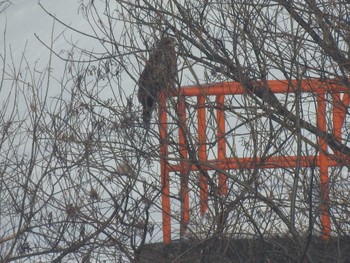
column 320, row 89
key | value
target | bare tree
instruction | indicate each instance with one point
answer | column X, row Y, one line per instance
column 81, row 165
column 72, row 167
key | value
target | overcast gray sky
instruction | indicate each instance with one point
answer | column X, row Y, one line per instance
column 24, row 18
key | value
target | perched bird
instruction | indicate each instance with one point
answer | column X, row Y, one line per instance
column 160, row 73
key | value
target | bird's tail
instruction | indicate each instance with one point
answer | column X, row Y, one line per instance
column 146, row 115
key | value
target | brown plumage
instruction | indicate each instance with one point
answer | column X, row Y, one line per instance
column 160, row 72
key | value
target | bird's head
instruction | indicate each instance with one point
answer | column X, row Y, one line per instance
column 167, row 42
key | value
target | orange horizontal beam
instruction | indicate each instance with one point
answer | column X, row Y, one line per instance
column 274, row 162
column 276, row 86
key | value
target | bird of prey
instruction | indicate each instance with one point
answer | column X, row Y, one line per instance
column 160, row 73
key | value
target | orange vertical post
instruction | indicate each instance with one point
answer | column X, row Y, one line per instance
column 184, row 191
column 220, row 116
column 202, row 153
column 323, row 160
column 164, row 170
